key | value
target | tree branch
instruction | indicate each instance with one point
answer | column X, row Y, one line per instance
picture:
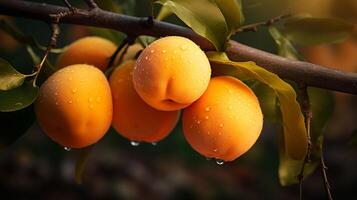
column 310, row 74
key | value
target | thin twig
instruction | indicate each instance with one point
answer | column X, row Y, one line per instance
column 52, row 44
column 254, row 27
column 306, row 107
column 91, row 4
column 327, row 185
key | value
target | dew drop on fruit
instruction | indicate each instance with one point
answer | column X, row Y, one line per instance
column 134, row 143
column 183, row 47
column 219, row 162
column 163, row 51
column 206, row 117
column 230, row 91
column 198, row 121
column 90, row 99
column 221, row 125
column 207, row 109
column 67, row 148
column 74, row 90
column 152, row 51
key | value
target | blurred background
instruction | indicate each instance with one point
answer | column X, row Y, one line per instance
column 34, row 167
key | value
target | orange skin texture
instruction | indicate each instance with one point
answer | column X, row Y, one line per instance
column 132, row 117
column 91, row 50
column 74, row 107
column 171, row 73
column 225, row 122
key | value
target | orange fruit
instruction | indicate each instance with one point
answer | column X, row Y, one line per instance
column 74, row 107
column 132, row 117
column 225, row 122
column 171, row 73
column 90, row 50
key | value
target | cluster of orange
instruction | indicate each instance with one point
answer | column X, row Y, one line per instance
column 142, row 99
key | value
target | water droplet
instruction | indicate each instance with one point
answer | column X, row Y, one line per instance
column 219, row 133
column 56, row 103
column 146, row 57
column 230, row 91
column 74, row 90
column 190, row 61
column 134, row 143
column 206, row 117
column 163, row 51
column 70, row 102
column 215, row 150
column 198, row 121
column 154, row 143
column 221, row 125
column 18, row 104
column 91, row 106
column 191, row 127
column 98, row 99
column 183, row 47
column 207, row 109
column 90, row 99
column 230, row 107
column 67, row 148
column 70, row 78
column 208, row 133
column 166, row 59
column 152, row 51
column 219, row 162
column 175, row 52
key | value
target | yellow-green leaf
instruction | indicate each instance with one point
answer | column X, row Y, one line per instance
column 9, row 77
column 295, row 136
column 285, row 48
column 203, row 16
column 232, row 12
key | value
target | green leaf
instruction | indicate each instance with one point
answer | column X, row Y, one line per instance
column 305, row 30
column 14, row 125
column 322, row 106
column 295, row 136
column 232, row 12
column 203, row 16
column 9, row 77
column 18, row 98
column 285, row 48
column 81, row 163
column 109, row 5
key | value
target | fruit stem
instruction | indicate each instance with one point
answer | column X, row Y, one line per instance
column 53, row 41
column 129, row 40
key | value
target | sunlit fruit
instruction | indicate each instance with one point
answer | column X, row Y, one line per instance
column 74, row 107
column 171, row 73
column 91, row 50
column 132, row 117
column 225, row 122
